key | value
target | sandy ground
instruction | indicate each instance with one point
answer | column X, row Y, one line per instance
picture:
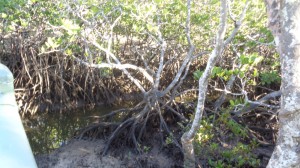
column 87, row 154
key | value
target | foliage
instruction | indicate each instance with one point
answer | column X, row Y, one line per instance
column 227, row 151
column 268, row 78
column 42, row 38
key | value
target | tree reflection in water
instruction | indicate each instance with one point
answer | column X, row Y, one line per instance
column 47, row 132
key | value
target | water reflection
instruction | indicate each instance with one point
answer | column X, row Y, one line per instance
column 47, row 132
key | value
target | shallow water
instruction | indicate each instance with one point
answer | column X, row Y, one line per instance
column 47, row 132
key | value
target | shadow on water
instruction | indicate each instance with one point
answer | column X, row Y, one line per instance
column 47, row 132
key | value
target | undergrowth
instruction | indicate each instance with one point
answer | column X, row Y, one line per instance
column 222, row 142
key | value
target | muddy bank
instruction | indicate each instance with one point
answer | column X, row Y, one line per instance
column 85, row 153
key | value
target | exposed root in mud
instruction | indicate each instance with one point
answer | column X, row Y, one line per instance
column 143, row 119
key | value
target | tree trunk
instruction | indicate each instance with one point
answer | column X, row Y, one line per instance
column 188, row 137
column 284, row 21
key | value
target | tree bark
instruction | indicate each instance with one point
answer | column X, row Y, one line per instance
column 284, row 21
column 188, row 137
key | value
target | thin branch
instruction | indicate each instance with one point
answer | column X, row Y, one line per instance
column 187, row 24
column 188, row 58
column 180, row 82
column 228, row 86
column 181, row 69
column 161, row 61
column 238, row 24
column 111, row 35
column 144, row 61
column 116, row 66
column 203, row 81
column 272, row 43
column 260, row 102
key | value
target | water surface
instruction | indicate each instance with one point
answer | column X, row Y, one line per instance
column 47, row 132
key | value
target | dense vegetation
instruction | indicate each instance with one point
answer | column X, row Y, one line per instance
column 64, row 53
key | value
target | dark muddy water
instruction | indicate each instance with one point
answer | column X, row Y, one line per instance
column 47, row 132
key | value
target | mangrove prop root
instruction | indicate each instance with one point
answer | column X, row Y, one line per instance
column 132, row 129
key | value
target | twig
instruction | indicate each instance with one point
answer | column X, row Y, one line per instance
column 260, row 102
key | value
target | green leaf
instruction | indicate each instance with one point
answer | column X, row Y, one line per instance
column 50, row 43
column 3, row 15
column 71, row 27
column 216, row 71
column 68, row 52
column 157, row 1
column 231, row 102
column 197, row 74
column 94, row 9
column 255, row 73
column 242, row 74
column 245, row 67
column 236, row 72
column 258, row 60
column 152, row 28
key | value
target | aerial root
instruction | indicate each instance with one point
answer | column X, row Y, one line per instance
column 132, row 129
column 93, row 131
column 164, row 126
column 117, row 132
